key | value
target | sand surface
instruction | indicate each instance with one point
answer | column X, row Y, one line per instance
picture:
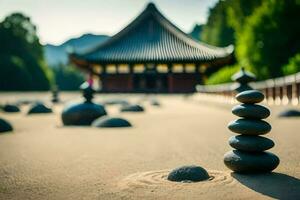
column 42, row 159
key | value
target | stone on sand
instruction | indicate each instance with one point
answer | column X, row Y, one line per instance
column 39, row 108
column 82, row 114
column 5, row 126
column 132, row 108
column 290, row 113
column 10, row 108
column 111, row 122
column 188, row 173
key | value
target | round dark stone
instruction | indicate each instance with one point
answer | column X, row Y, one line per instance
column 5, row 126
column 39, row 108
column 132, row 108
column 250, row 96
column 188, row 173
column 10, row 108
column 82, row 114
column 245, row 162
column 250, row 126
column 251, row 111
column 111, row 122
column 290, row 113
column 251, row 143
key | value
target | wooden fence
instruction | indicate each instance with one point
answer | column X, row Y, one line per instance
column 279, row 91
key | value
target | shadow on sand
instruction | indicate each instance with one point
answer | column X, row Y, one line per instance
column 275, row 185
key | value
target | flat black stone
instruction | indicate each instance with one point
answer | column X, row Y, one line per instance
column 10, row 108
column 243, row 76
column 111, row 122
column 250, row 96
column 251, row 111
column 290, row 113
column 245, row 162
column 188, row 173
column 249, row 126
column 82, row 114
column 115, row 102
column 39, row 108
column 132, row 108
column 5, row 126
column 251, row 143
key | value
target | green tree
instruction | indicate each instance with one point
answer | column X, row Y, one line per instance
column 238, row 11
column 223, row 75
column 217, row 30
column 270, row 37
column 293, row 66
column 22, row 64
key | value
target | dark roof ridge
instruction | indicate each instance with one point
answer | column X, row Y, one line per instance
column 152, row 10
column 149, row 9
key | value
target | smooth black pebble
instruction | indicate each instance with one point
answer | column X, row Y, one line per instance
column 251, row 111
column 250, row 96
column 5, row 126
column 249, row 126
column 188, row 173
column 244, row 162
column 251, row 143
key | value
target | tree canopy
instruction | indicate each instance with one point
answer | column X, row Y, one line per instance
column 22, row 62
column 270, row 37
column 265, row 34
column 217, row 31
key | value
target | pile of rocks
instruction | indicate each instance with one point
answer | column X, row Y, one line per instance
column 83, row 114
column 250, row 155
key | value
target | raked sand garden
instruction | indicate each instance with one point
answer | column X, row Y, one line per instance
column 42, row 159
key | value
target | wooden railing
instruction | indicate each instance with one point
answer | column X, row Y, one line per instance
column 279, row 91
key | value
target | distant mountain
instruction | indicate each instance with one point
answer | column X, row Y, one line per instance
column 196, row 32
column 58, row 54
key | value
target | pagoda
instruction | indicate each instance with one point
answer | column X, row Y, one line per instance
column 151, row 55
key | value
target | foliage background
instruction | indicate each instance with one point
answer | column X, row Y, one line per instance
column 265, row 35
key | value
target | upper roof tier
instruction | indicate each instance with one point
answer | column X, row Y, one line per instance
column 152, row 38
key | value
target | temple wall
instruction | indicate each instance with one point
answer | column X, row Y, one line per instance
column 175, row 83
column 181, row 83
column 118, row 83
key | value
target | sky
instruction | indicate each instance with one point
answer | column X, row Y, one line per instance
column 60, row 20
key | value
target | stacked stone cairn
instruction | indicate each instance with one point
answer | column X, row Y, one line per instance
column 83, row 114
column 250, row 154
column 243, row 78
column 55, row 92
